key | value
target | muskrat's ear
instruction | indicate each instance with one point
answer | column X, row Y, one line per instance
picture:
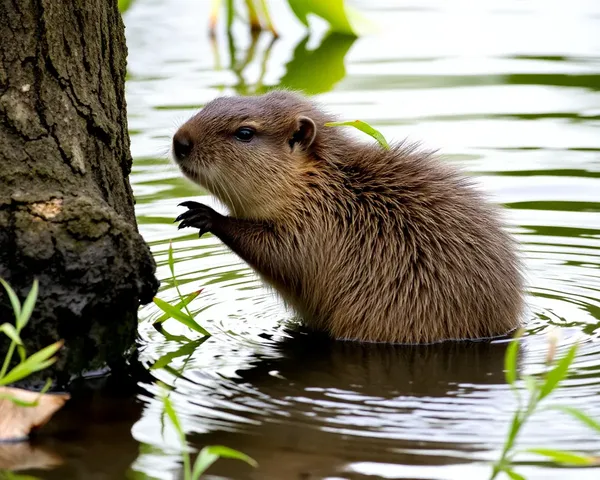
column 304, row 133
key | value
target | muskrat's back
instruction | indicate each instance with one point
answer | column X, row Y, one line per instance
column 367, row 244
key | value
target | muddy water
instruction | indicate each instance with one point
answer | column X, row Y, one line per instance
column 510, row 90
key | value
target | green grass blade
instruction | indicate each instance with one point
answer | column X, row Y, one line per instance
column 363, row 127
column 170, row 411
column 558, row 373
column 14, row 300
column 514, row 475
column 178, row 315
column 36, row 362
column 566, row 458
column 171, row 260
column 203, row 461
column 579, row 415
column 180, row 305
column 208, row 456
column 510, row 361
column 226, row 452
column 11, row 332
column 28, row 305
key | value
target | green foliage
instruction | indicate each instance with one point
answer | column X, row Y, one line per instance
column 175, row 311
column 363, row 127
column 340, row 18
column 539, row 387
column 124, row 5
column 333, row 12
column 207, row 456
column 28, row 365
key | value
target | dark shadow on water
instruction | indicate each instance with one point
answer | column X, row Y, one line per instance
column 329, row 403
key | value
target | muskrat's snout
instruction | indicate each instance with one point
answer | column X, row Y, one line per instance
column 182, row 145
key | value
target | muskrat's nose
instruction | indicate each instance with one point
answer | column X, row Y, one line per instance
column 182, row 145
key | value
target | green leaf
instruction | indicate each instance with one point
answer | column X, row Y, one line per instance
column 363, row 127
column 11, row 333
column 531, row 383
column 170, row 411
column 171, row 260
column 510, row 360
column 513, row 475
column 181, row 304
column 567, row 458
column 124, row 5
column 226, row 452
column 180, row 316
column 36, row 362
column 558, row 373
column 208, row 456
column 14, row 300
column 332, row 11
column 203, row 461
column 28, row 306
column 579, row 415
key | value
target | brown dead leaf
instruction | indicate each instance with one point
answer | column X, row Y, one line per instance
column 16, row 422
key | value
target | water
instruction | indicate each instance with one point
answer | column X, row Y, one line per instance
column 507, row 89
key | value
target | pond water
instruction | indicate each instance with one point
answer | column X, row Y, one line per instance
column 508, row 89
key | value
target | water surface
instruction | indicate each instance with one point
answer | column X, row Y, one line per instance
column 509, row 90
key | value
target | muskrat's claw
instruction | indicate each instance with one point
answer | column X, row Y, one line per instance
column 198, row 216
column 190, row 204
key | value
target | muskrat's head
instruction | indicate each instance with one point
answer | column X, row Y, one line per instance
column 249, row 151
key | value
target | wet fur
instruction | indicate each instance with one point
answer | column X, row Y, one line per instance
column 366, row 244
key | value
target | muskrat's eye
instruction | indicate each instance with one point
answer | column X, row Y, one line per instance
column 244, row 134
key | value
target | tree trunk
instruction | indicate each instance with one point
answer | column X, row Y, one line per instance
column 66, row 205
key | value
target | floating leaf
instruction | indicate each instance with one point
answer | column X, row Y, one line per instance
column 567, row 458
column 180, row 316
column 558, row 373
column 363, row 127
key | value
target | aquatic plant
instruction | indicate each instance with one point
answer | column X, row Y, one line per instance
column 207, row 456
column 27, row 365
column 175, row 311
column 340, row 17
column 539, row 387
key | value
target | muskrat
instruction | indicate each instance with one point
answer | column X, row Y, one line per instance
column 365, row 243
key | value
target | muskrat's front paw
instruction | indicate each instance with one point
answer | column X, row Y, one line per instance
column 198, row 216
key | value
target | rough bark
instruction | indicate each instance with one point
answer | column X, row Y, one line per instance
column 66, row 205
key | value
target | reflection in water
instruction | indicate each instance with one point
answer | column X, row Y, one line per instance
column 326, row 63
column 500, row 92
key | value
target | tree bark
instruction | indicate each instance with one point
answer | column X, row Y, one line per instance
column 66, row 205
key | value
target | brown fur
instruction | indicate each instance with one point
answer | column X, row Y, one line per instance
column 367, row 244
